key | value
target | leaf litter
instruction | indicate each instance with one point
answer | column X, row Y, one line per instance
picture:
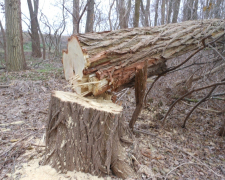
column 171, row 152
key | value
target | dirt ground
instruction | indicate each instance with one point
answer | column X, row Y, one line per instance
column 169, row 152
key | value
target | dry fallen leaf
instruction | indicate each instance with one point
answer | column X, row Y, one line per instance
column 146, row 152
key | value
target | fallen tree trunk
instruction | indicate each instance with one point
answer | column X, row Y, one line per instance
column 96, row 62
column 84, row 134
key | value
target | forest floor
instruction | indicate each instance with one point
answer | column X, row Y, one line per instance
column 172, row 152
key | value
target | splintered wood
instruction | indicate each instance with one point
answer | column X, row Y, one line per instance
column 96, row 62
column 84, row 135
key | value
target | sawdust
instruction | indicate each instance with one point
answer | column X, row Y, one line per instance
column 32, row 170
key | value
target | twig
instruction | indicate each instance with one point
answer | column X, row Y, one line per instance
column 202, row 163
column 217, row 52
column 212, row 110
column 122, row 94
column 151, row 88
column 173, row 68
column 16, row 144
column 206, row 97
column 4, row 86
column 194, row 90
column 191, row 163
column 37, row 145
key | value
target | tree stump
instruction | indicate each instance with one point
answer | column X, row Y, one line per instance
column 83, row 134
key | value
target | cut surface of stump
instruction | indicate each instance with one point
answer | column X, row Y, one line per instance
column 83, row 134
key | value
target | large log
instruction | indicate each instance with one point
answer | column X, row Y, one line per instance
column 96, row 62
column 84, row 134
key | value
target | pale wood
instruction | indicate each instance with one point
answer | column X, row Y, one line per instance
column 111, row 58
column 83, row 134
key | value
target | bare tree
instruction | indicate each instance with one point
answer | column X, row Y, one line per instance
column 163, row 12
column 109, row 15
column 123, row 10
column 136, row 13
column 218, row 13
column 76, row 11
column 169, row 11
column 36, row 49
column 90, row 16
column 176, row 7
column 14, row 40
column 195, row 10
column 156, row 12
column 4, row 41
column 146, row 13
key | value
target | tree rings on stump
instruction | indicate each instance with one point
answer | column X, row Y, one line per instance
column 83, row 134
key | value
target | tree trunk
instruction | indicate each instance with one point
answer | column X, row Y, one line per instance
column 36, row 48
column 136, row 13
column 14, row 39
column 176, row 7
column 90, row 17
column 163, row 12
column 218, row 9
column 76, row 16
column 146, row 13
column 84, row 135
column 169, row 11
column 97, row 62
column 156, row 12
column 123, row 8
column 195, row 10
column 4, row 41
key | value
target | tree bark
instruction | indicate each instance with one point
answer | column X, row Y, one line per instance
column 123, row 8
column 14, row 39
column 35, row 40
column 218, row 13
column 163, row 12
column 90, row 17
column 97, row 62
column 84, row 135
column 156, row 12
column 146, row 14
column 176, row 7
column 195, row 10
column 169, row 11
column 76, row 16
column 136, row 13
column 4, row 41
column 140, row 86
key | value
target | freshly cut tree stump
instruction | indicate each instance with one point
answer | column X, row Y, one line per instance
column 84, row 135
column 96, row 62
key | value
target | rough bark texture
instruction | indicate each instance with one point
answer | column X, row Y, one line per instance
column 4, row 41
column 14, row 39
column 140, row 86
column 176, row 7
column 36, row 48
column 169, row 11
column 84, row 135
column 156, row 12
column 76, row 16
column 163, row 12
column 123, row 9
column 136, row 13
column 90, row 16
column 110, row 58
column 146, row 13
